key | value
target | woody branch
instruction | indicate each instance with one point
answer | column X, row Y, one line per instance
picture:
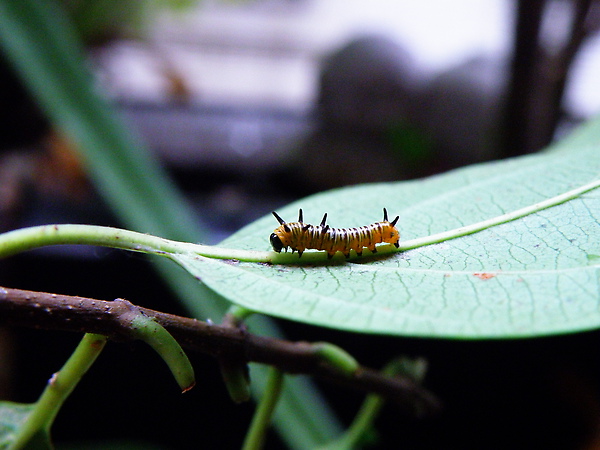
column 68, row 313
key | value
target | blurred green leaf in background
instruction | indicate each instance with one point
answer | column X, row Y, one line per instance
column 39, row 40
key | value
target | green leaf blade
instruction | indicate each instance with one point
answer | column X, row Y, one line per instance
column 532, row 276
column 13, row 417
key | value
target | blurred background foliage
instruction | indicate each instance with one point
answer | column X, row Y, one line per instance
column 250, row 105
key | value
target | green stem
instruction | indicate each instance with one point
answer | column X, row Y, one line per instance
column 154, row 334
column 262, row 417
column 34, row 237
column 236, row 379
column 28, row 238
column 504, row 218
column 369, row 410
column 239, row 313
column 59, row 387
column 234, row 370
column 362, row 423
column 336, row 356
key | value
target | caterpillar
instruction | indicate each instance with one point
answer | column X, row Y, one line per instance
column 300, row 236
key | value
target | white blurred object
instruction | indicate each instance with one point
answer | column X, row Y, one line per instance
column 268, row 52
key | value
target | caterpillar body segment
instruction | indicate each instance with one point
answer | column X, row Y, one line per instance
column 300, row 236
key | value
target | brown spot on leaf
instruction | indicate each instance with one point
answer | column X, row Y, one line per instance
column 484, row 275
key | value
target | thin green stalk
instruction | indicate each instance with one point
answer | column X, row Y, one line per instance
column 503, row 218
column 371, row 407
column 336, row 356
column 361, row 425
column 234, row 370
column 239, row 313
column 59, row 387
column 28, row 238
column 262, row 417
column 236, row 379
column 154, row 334
column 24, row 239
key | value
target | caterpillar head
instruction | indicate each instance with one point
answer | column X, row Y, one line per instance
column 276, row 242
column 280, row 237
column 390, row 233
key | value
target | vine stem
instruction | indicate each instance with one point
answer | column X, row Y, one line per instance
column 156, row 336
column 262, row 417
column 60, row 385
column 503, row 218
column 371, row 407
column 24, row 239
column 17, row 241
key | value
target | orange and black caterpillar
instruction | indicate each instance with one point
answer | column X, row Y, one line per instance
column 300, row 236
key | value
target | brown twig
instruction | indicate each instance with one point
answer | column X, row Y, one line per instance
column 67, row 313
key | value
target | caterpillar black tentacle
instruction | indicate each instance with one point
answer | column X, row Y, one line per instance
column 300, row 236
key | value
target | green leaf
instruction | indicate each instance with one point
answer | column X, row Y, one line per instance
column 536, row 275
column 12, row 417
column 41, row 43
column 154, row 334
